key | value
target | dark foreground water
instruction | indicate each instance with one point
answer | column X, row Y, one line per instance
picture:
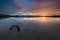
column 38, row 28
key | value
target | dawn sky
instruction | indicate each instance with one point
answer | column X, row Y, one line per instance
column 30, row 6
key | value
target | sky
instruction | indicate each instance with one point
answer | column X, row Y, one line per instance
column 37, row 7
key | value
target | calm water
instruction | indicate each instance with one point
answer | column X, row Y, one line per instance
column 44, row 28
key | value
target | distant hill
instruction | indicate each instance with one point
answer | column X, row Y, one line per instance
column 4, row 15
column 7, row 16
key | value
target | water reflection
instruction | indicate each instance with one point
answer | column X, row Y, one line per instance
column 45, row 23
column 43, row 19
column 41, row 27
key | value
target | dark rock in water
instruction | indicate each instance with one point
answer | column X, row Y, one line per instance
column 16, row 26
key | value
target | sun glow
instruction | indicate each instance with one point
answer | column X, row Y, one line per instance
column 44, row 15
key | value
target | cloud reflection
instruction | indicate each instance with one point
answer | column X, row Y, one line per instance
column 43, row 19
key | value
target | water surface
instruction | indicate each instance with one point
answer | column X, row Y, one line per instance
column 35, row 28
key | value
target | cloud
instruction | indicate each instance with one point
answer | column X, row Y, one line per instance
column 38, row 6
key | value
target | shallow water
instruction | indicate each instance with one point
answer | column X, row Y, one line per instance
column 39, row 26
